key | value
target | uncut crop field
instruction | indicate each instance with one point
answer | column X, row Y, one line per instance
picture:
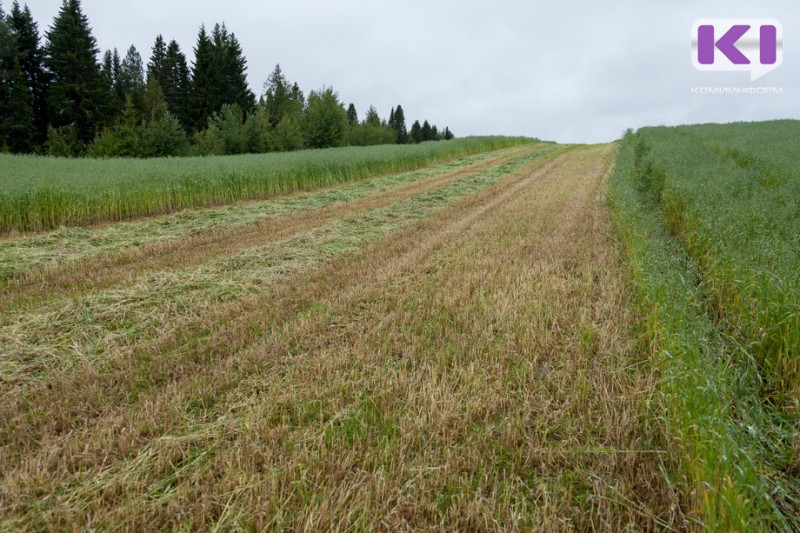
column 449, row 347
column 711, row 218
column 38, row 193
column 733, row 194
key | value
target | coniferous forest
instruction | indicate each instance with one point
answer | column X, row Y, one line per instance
column 59, row 95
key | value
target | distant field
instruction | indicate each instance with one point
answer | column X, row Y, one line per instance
column 38, row 193
column 711, row 216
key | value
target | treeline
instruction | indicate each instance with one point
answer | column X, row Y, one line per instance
column 62, row 98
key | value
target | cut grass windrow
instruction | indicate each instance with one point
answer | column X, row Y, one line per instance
column 37, row 265
column 474, row 369
column 95, row 333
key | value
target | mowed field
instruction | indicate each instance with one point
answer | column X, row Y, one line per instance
column 497, row 334
column 455, row 347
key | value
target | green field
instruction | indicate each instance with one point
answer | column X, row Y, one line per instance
column 711, row 215
column 484, row 334
column 38, row 193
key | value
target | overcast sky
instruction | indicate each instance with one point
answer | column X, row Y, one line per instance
column 566, row 71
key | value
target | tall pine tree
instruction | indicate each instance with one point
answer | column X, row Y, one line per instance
column 31, row 61
column 77, row 95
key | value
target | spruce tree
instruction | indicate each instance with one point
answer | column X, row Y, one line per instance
column 372, row 118
column 109, row 74
column 116, row 74
column 220, row 93
column 276, row 90
column 165, row 137
column 426, row 131
column 129, row 131
column 176, row 84
column 201, row 98
column 131, row 79
column 107, row 68
column 352, row 115
column 17, row 130
column 124, row 139
column 31, row 61
column 229, row 124
column 111, row 78
column 230, row 68
column 399, row 125
column 218, row 75
column 416, row 132
column 297, row 96
column 155, row 104
column 156, row 67
column 283, row 101
column 77, row 95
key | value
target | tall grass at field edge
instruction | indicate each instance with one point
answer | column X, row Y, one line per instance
column 40, row 193
column 731, row 194
column 724, row 437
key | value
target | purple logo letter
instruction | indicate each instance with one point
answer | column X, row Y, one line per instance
column 737, row 45
column 726, row 44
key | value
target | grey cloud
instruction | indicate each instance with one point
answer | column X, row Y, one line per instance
column 566, row 71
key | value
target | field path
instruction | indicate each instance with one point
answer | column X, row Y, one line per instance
column 456, row 352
